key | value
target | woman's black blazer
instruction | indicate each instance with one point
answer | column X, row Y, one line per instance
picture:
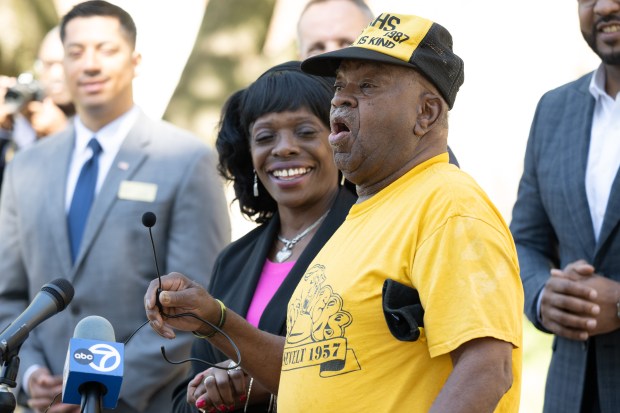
column 236, row 274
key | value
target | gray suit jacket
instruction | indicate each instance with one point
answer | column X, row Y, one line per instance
column 115, row 263
column 552, row 227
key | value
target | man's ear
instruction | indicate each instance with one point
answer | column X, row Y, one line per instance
column 428, row 112
column 137, row 61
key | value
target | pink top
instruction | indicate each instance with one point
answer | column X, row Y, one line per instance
column 271, row 278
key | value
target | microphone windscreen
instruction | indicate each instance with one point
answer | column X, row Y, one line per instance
column 94, row 327
column 61, row 290
column 148, row 219
column 93, row 357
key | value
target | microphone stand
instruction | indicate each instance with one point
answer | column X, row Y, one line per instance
column 8, row 379
column 7, row 400
column 91, row 397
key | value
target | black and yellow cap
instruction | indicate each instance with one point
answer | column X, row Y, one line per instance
column 403, row 40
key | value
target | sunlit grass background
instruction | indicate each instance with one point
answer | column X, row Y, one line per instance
column 536, row 356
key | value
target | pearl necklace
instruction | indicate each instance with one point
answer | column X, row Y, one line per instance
column 287, row 250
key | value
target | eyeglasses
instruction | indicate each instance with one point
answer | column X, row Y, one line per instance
column 45, row 65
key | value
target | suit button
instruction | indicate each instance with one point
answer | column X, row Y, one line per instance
column 75, row 309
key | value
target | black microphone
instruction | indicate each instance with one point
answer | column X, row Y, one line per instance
column 148, row 220
column 53, row 298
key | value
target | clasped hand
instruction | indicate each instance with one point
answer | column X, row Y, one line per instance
column 577, row 303
column 217, row 389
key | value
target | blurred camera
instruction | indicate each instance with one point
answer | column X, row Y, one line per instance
column 23, row 92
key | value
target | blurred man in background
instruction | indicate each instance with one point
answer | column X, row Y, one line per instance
column 71, row 206
column 51, row 75
column 36, row 106
column 321, row 27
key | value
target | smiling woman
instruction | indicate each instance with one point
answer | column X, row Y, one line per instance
column 273, row 147
column 292, row 158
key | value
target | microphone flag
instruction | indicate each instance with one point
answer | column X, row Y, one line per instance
column 93, row 361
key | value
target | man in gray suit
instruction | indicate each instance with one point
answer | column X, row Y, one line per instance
column 135, row 165
column 566, row 224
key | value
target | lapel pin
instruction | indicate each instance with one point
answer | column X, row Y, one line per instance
column 123, row 165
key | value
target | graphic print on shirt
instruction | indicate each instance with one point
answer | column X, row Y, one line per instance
column 316, row 327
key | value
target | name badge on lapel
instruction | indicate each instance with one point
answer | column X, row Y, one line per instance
column 137, row 191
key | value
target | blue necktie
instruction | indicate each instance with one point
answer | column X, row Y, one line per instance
column 83, row 198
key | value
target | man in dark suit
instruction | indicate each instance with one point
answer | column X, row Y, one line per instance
column 101, row 246
column 566, row 221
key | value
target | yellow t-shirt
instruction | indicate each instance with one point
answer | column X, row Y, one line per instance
column 433, row 229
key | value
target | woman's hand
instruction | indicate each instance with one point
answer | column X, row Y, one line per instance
column 218, row 389
column 225, row 390
column 179, row 295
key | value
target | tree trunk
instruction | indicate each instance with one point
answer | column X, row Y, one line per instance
column 24, row 24
column 226, row 57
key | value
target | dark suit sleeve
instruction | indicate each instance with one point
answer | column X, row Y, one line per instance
column 533, row 233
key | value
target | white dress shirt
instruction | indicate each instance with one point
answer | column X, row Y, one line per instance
column 604, row 153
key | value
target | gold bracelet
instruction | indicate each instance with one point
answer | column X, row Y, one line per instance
column 220, row 324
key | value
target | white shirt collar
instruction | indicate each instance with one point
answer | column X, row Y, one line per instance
column 110, row 137
column 597, row 84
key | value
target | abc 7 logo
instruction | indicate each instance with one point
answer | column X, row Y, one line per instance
column 101, row 357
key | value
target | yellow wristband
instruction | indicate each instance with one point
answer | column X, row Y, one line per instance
column 220, row 324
